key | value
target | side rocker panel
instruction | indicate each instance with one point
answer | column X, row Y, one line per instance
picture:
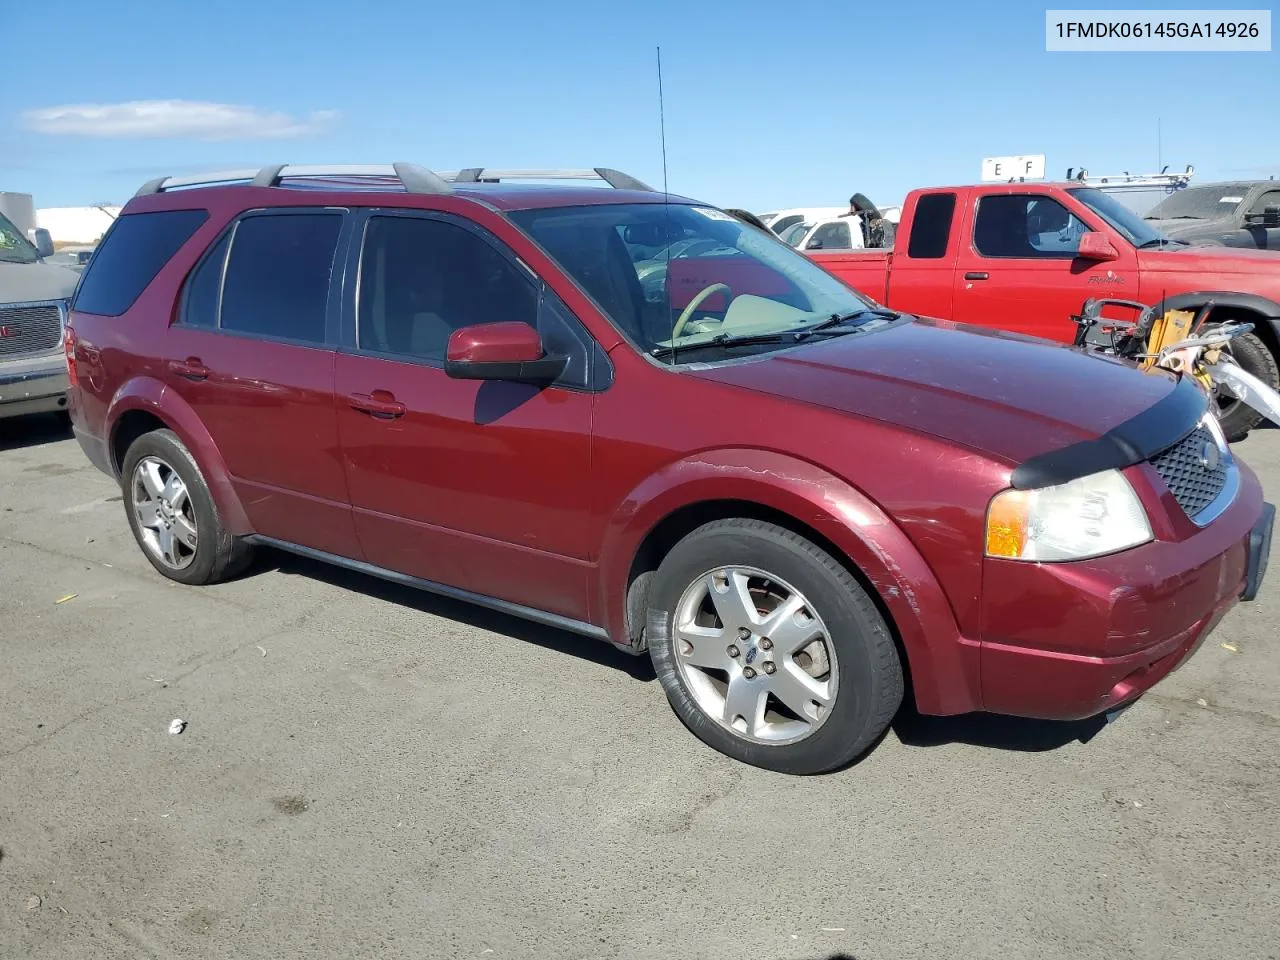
column 943, row 664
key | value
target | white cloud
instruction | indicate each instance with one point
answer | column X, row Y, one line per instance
column 174, row 119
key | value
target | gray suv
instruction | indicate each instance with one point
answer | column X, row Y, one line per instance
column 33, row 308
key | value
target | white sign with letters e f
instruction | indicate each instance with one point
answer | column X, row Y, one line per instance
column 1000, row 169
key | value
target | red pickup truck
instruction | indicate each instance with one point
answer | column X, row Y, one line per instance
column 1025, row 256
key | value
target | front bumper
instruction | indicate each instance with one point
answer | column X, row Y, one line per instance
column 1073, row 640
column 36, row 385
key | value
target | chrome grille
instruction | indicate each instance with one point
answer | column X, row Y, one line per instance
column 1193, row 475
column 29, row 328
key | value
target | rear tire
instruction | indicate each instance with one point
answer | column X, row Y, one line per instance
column 1236, row 417
column 810, row 698
column 172, row 513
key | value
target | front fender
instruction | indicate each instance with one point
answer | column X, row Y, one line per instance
column 150, row 395
column 1223, row 298
column 943, row 664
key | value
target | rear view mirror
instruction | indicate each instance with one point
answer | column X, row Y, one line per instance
column 43, row 242
column 501, row 351
column 1096, row 246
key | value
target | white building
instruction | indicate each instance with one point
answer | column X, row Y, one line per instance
column 77, row 224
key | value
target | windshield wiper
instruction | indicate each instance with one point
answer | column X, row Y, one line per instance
column 826, row 327
column 726, row 340
column 836, row 319
column 1159, row 242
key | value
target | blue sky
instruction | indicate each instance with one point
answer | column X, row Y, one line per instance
column 768, row 104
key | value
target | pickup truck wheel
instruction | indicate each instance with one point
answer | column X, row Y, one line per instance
column 172, row 513
column 1236, row 417
column 769, row 650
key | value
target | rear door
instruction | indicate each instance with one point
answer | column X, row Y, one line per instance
column 481, row 485
column 921, row 276
column 252, row 352
column 1018, row 268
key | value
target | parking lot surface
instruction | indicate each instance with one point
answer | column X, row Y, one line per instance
column 372, row 772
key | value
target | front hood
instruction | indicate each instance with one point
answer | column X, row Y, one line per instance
column 1008, row 396
column 1176, row 229
column 1241, row 260
column 20, row 282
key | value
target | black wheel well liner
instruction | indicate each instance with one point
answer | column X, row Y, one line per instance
column 658, row 542
column 131, row 425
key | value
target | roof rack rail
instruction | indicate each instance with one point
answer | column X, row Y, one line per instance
column 413, row 178
column 615, row 178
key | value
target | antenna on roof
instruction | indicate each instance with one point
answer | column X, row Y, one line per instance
column 666, row 194
column 662, row 124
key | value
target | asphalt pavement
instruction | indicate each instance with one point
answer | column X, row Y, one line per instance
column 367, row 771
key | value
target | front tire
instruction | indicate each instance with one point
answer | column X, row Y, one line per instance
column 172, row 514
column 1236, row 417
column 769, row 650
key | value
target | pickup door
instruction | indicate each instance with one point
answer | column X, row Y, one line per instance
column 1018, row 267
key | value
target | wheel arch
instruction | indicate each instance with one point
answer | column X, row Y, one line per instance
column 144, row 404
column 941, row 666
column 1235, row 304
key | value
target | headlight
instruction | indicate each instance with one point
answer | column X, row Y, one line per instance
column 1085, row 518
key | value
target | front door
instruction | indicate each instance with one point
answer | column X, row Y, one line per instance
column 252, row 353
column 480, row 485
column 1019, row 271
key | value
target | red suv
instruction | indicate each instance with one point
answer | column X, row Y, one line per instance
column 634, row 416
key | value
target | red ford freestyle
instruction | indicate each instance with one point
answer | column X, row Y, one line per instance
column 633, row 416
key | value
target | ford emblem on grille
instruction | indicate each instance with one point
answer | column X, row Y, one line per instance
column 1209, row 455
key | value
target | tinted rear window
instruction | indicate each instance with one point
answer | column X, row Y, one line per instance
column 134, row 250
column 931, row 226
column 277, row 279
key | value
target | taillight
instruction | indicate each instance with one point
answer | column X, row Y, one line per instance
column 69, row 345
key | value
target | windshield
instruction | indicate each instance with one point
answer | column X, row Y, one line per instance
column 795, row 233
column 1201, row 203
column 1132, row 227
column 14, row 247
column 684, row 276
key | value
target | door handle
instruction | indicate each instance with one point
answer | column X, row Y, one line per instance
column 191, row 368
column 976, row 275
column 385, row 407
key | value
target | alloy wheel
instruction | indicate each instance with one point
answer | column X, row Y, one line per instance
column 755, row 655
column 165, row 514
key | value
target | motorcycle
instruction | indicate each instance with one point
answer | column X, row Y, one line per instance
column 1178, row 341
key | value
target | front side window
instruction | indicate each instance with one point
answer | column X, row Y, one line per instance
column 277, row 276
column 421, row 279
column 712, row 278
column 1269, row 199
column 1026, row 226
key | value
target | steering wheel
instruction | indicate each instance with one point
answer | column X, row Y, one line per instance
column 695, row 303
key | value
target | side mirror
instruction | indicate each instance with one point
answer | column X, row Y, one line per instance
column 1096, row 246
column 814, row 244
column 501, row 351
column 43, row 241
